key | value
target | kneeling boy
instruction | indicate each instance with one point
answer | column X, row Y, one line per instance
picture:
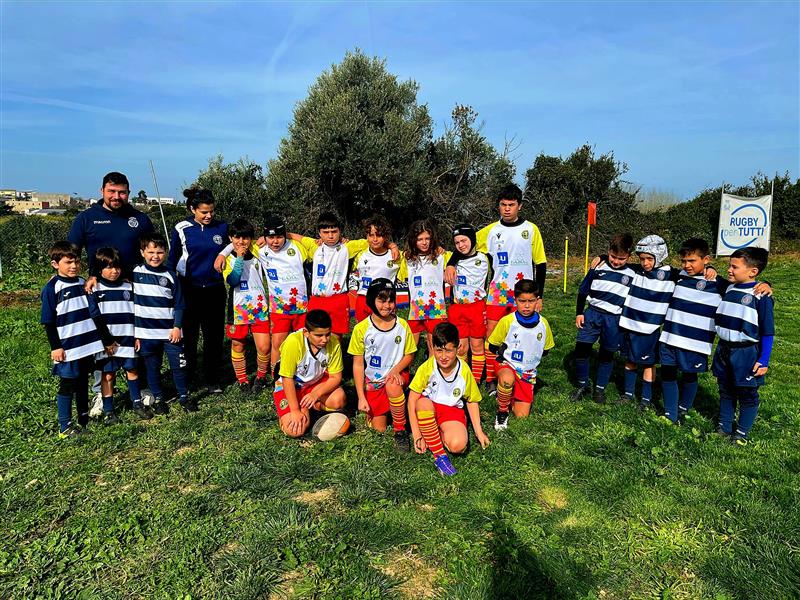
column 436, row 401
column 520, row 340
column 383, row 347
column 310, row 374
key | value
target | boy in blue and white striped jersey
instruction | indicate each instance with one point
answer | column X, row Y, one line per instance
column 112, row 302
column 605, row 289
column 746, row 328
column 159, row 306
column 72, row 333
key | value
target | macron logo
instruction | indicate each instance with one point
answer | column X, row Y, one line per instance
column 106, row 222
column 698, row 365
column 748, row 378
column 645, row 357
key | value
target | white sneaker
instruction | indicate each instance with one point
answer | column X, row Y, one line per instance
column 96, row 411
column 501, row 421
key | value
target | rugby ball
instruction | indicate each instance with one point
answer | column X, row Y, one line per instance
column 330, row 426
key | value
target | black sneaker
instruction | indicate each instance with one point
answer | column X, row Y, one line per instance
column 501, row 421
column 644, row 406
column 739, row 439
column 580, row 393
column 214, row 388
column 110, row 419
column 259, row 385
column 190, row 405
column 244, row 388
column 401, row 441
column 721, row 432
column 682, row 416
column 599, row 395
column 143, row 412
column 160, row 407
column 626, row 398
column 491, row 388
column 70, row 431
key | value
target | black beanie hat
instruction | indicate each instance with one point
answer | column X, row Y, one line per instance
column 381, row 284
column 467, row 230
column 274, row 225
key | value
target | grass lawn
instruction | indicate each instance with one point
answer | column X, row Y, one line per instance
column 579, row 501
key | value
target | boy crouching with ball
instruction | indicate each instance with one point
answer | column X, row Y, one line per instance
column 309, row 375
column 436, row 401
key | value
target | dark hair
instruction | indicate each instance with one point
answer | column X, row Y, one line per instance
column 510, row 192
column 380, row 224
column 443, row 334
column 328, row 220
column 417, row 228
column 152, row 238
column 317, row 319
column 693, row 246
column 753, row 257
column 115, row 178
column 242, row 228
column 196, row 196
column 380, row 288
column 63, row 249
column 106, row 258
column 525, row 286
column 621, row 242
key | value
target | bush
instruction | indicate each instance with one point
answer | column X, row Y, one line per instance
column 24, row 242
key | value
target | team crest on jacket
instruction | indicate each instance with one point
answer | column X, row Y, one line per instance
column 397, row 339
column 163, row 281
column 625, row 280
column 435, row 261
column 747, row 299
column 457, row 393
column 290, row 252
column 217, row 239
column 389, row 263
column 126, row 295
column 539, row 336
column 133, row 222
column 525, row 234
column 661, row 275
column 701, row 285
column 477, row 261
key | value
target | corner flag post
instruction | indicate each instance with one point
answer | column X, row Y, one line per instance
column 591, row 219
column 566, row 260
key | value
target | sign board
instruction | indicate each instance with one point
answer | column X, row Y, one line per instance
column 743, row 222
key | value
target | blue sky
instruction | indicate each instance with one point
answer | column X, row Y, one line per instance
column 688, row 95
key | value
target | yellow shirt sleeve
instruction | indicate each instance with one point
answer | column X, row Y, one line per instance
column 226, row 270
column 335, row 363
column 421, row 377
column 471, row 391
column 537, row 247
column 255, row 250
column 356, row 247
column 292, row 350
column 501, row 331
column 302, row 249
column 309, row 244
column 482, row 237
column 411, row 345
column 356, row 346
column 402, row 274
column 548, row 336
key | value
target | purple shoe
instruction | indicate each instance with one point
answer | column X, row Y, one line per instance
column 444, row 465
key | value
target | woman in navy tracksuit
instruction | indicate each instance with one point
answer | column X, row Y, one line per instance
column 194, row 245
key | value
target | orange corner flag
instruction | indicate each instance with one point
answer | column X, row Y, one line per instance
column 592, row 215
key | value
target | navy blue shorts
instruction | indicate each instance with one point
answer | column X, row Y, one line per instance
column 640, row 348
column 72, row 369
column 687, row 361
column 733, row 365
column 112, row 364
column 602, row 325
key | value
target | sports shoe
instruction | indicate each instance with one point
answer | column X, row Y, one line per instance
column 444, row 465
column 97, row 406
column 110, row 419
column 244, row 388
column 214, row 388
column 491, row 388
column 501, row 421
column 739, row 439
column 599, row 395
column 721, row 432
column 160, row 407
column 190, row 405
column 259, row 385
column 143, row 412
column 644, row 406
column 626, row 398
column 70, row 431
column 580, row 393
column 682, row 416
column 401, row 441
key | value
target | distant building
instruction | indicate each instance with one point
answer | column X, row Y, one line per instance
column 163, row 199
column 27, row 201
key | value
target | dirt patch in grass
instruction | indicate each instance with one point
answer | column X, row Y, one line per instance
column 552, row 498
column 417, row 576
column 184, row 450
column 323, row 500
column 285, row 589
column 18, row 299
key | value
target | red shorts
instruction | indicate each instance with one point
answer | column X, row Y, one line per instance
column 287, row 323
column 282, row 404
column 424, row 325
column 362, row 310
column 470, row 319
column 523, row 390
column 337, row 306
column 495, row 313
column 444, row 413
column 378, row 400
column 239, row 332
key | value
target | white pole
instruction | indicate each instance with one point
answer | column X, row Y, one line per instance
column 158, row 199
column 719, row 221
column 771, row 204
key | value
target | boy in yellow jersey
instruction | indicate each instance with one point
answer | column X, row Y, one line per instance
column 310, row 374
column 378, row 260
column 383, row 347
column 436, row 401
column 520, row 340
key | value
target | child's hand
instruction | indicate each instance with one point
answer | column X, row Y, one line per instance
column 137, row 345
column 308, row 401
column 483, row 439
column 219, row 263
column 579, row 321
column 343, row 241
column 363, row 405
column 112, row 348
column 394, row 377
column 297, row 422
column 175, row 335
column 596, row 261
column 395, row 251
column 763, row 289
column 420, row 447
column 758, row 370
column 537, row 306
column 261, row 242
column 90, row 284
column 58, row 355
column 450, row 275
column 710, row 273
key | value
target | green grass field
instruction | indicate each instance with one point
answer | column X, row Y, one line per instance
column 579, row 501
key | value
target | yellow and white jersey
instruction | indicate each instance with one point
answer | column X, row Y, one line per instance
column 471, row 275
column 426, row 288
column 305, row 364
column 450, row 390
column 286, row 280
column 373, row 266
column 330, row 265
column 381, row 349
column 524, row 345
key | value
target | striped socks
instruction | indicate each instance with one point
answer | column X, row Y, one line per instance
column 430, row 432
column 398, row 408
column 478, row 363
column 239, row 366
column 504, row 397
column 263, row 364
column 491, row 359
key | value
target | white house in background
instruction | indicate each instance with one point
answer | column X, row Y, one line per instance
column 163, row 199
